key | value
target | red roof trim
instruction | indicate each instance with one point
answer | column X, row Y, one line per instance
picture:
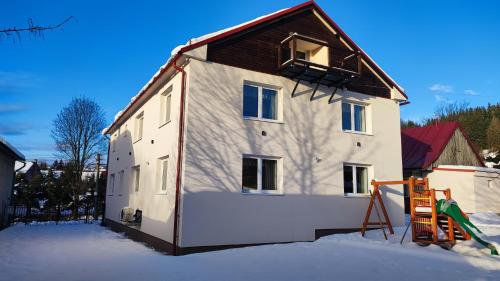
column 254, row 23
column 246, row 26
column 175, row 58
column 454, row 170
column 290, row 10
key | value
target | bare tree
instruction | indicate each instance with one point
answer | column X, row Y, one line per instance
column 447, row 109
column 77, row 134
column 32, row 29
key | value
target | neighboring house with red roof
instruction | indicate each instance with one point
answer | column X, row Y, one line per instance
column 269, row 131
column 425, row 148
column 8, row 157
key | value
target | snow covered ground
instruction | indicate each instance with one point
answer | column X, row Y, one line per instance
column 90, row 252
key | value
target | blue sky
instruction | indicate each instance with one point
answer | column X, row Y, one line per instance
column 437, row 50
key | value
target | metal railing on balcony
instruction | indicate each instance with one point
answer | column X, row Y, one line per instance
column 306, row 59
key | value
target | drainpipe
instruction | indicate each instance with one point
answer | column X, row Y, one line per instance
column 180, row 151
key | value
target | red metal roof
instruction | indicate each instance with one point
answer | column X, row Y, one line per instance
column 422, row 146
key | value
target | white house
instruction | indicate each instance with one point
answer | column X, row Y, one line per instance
column 266, row 132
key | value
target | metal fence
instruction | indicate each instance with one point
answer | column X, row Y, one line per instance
column 23, row 214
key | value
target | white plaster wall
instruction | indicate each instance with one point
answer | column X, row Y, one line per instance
column 313, row 149
column 461, row 185
column 487, row 191
column 157, row 207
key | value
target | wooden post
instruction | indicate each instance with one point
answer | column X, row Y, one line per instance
column 382, row 206
column 434, row 217
column 369, row 211
column 411, row 189
column 451, row 229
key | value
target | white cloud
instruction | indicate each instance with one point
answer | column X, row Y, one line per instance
column 471, row 93
column 439, row 98
column 10, row 108
column 441, row 88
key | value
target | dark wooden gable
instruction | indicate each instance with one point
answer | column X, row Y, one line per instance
column 257, row 49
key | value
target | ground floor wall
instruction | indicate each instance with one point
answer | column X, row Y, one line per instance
column 312, row 150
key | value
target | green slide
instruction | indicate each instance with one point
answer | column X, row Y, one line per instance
column 451, row 209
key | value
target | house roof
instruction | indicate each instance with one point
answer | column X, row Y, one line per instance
column 222, row 34
column 422, row 146
column 23, row 167
column 16, row 153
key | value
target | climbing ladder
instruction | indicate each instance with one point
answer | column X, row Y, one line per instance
column 425, row 220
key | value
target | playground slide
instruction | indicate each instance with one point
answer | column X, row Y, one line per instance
column 451, row 209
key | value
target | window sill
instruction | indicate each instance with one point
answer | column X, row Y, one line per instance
column 161, row 193
column 263, row 120
column 264, row 193
column 164, row 123
column 357, row 133
column 357, row 195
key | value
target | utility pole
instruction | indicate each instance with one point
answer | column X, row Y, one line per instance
column 96, row 193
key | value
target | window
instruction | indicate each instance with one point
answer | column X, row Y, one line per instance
column 111, row 188
column 353, row 117
column 139, row 123
column 165, row 100
column 120, row 182
column 260, row 175
column 355, row 179
column 163, row 173
column 114, row 140
column 260, row 102
column 136, row 173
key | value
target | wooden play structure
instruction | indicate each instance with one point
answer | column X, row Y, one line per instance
column 425, row 219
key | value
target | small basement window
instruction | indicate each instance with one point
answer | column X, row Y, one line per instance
column 260, row 175
column 355, row 179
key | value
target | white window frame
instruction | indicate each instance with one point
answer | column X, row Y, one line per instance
column 279, row 175
column 369, row 170
column 136, row 178
column 368, row 126
column 260, row 87
column 111, row 188
column 164, row 97
column 139, row 126
column 121, row 176
column 113, row 142
column 161, row 162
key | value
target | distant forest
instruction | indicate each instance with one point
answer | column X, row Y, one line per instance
column 482, row 123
